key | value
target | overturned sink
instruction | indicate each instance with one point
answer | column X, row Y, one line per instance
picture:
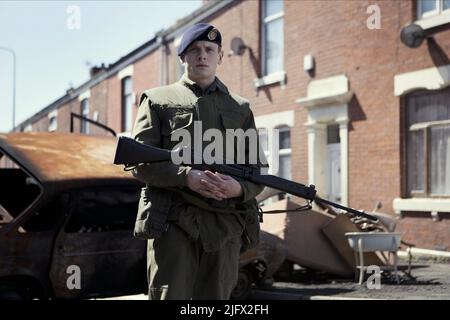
column 374, row 241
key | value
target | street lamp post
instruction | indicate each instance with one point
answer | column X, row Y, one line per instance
column 14, row 85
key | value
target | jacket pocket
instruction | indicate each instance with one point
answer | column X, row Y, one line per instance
column 176, row 121
column 153, row 210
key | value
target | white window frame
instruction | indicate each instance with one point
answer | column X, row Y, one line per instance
column 424, row 127
column 123, row 107
column 264, row 21
column 434, row 18
column 270, row 122
column 286, row 151
column 429, row 79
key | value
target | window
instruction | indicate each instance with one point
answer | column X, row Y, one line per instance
column 284, row 164
column 103, row 210
column 264, row 140
column 52, row 121
column 85, row 113
column 21, row 191
column 273, row 39
column 428, row 8
column 127, row 104
column 28, row 128
column 333, row 134
column 428, row 143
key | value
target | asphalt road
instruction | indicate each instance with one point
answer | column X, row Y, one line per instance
column 428, row 281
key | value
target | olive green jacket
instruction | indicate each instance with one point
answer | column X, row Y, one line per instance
column 162, row 112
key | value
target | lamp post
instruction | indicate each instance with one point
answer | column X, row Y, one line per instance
column 14, row 85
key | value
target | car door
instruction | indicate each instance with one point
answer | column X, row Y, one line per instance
column 95, row 253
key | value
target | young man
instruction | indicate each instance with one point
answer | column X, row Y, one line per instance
column 195, row 220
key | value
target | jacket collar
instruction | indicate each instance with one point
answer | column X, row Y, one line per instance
column 216, row 85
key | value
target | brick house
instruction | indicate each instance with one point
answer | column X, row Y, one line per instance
column 361, row 115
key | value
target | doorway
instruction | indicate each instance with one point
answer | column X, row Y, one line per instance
column 333, row 160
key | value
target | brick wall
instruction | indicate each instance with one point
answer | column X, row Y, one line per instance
column 98, row 102
column 336, row 34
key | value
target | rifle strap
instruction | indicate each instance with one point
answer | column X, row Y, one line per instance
column 305, row 207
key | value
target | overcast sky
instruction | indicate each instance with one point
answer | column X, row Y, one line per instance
column 54, row 49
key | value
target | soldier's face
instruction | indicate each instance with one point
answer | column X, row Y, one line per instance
column 202, row 59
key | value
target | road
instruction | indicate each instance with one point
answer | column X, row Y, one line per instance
column 427, row 281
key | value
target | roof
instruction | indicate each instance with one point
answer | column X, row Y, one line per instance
column 58, row 157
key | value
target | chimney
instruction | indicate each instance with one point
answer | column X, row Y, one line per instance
column 97, row 69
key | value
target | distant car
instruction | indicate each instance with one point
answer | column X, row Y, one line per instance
column 66, row 220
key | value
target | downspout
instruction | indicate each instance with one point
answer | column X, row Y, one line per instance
column 163, row 60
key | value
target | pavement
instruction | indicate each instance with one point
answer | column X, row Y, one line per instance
column 428, row 281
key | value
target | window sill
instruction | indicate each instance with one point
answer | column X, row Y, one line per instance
column 434, row 206
column 433, row 21
column 271, row 79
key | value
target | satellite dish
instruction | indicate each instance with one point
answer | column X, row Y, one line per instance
column 412, row 35
column 237, row 46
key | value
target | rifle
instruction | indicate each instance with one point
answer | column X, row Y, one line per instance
column 130, row 152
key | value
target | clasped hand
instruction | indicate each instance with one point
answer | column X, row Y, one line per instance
column 213, row 185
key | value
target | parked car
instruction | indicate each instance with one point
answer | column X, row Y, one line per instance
column 66, row 220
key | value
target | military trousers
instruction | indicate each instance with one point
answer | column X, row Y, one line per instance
column 179, row 269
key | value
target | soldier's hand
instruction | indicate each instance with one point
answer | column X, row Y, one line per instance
column 222, row 184
column 200, row 182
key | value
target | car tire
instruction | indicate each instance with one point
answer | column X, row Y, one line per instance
column 265, row 283
column 243, row 286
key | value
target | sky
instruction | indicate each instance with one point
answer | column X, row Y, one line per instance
column 56, row 42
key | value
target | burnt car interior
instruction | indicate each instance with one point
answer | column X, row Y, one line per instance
column 100, row 210
column 21, row 191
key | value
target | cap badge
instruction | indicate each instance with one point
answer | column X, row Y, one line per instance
column 212, row 35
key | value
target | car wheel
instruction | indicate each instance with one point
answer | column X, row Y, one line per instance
column 265, row 283
column 243, row 286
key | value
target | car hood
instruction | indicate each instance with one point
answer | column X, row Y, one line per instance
column 56, row 157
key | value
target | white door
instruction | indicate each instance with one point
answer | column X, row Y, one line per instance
column 334, row 171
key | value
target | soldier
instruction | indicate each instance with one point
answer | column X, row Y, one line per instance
column 196, row 222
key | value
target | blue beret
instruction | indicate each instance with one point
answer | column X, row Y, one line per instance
column 197, row 32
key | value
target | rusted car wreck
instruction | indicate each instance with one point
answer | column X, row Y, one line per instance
column 67, row 211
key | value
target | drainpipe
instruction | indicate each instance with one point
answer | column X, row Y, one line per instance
column 163, row 60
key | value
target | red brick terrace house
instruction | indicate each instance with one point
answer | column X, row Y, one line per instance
column 361, row 115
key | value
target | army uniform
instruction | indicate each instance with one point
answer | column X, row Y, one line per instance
column 194, row 242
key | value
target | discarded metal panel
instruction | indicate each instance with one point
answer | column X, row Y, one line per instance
column 301, row 231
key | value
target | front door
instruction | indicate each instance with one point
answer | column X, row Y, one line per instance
column 334, row 171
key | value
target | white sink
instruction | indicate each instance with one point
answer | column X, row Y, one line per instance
column 374, row 241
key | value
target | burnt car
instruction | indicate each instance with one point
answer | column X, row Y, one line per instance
column 66, row 212
column 66, row 222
